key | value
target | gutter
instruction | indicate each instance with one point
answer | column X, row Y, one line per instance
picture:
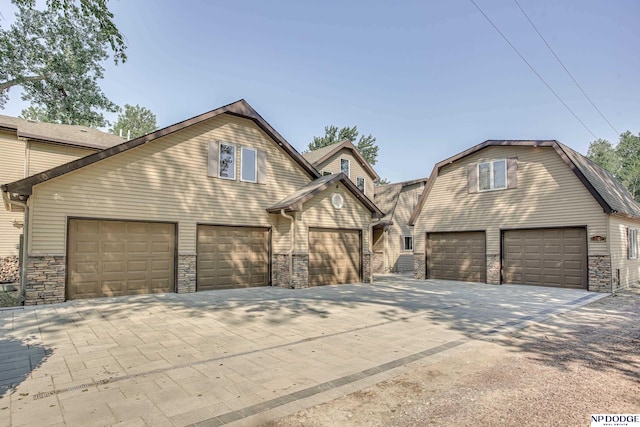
column 25, row 240
column 291, row 244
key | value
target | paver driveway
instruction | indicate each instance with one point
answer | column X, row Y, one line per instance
column 241, row 356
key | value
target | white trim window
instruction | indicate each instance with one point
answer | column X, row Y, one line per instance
column 248, row 164
column 632, row 243
column 360, row 183
column 407, row 243
column 492, row 175
column 227, row 161
column 344, row 166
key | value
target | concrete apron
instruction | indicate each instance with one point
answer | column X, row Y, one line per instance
column 242, row 357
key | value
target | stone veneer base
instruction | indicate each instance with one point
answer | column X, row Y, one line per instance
column 9, row 269
column 419, row 266
column 186, row 274
column 600, row 274
column 45, row 280
column 493, row 269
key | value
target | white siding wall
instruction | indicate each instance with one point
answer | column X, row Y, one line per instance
column 548, row 195
column 629, row 268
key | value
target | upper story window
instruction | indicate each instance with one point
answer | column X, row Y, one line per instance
column 492, row 175
column 407, row 243
column 227, row 161
column 249, row 162
column 632, row 243
column 360, row 183
column 344, row 166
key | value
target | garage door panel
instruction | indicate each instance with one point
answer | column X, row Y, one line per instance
column 560, row 258
column 114, row 258
column 334, row 256
column 456, row 256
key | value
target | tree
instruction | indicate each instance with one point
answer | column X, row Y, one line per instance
column 366, row 145
column 623, row 160
column 382, row 181
column 135, row 121
column 55, row 55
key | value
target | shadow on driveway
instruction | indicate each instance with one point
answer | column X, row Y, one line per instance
column 17, row 359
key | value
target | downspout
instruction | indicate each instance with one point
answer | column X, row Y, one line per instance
column 292, row 235
column 25, row 239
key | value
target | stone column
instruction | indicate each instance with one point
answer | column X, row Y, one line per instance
column 366, row 268
column 600, row 274
column 419, row 266
column 186, row 274
column 45, row 280
column 493, row 269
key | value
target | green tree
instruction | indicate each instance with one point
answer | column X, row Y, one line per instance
column 366, row 144
column 135, row 121
column 383, row 181
column 623, row 160
column 55, row 55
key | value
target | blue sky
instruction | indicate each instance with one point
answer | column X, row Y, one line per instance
column 427, row 78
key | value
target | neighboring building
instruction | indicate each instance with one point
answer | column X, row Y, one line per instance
column 526, row 212
column 344, row 157
column 220, row 200
column 27, row 148
column 393, row 236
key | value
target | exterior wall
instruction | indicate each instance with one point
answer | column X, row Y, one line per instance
column 46, row 156
column 9, row 269
column 186, row 273
column 600, row 278
column 397, row 259
column 280, row 271
column 548, row 194
column 624, row 271
column 355, row 169
column 12, row 160
column 45, row 280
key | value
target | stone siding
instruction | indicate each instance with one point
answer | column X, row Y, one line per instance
column 600, row 275
column 186, row 273
column 366, row 268
column 45, row 280
column 300, row 271
column 493, row 269
column 377, row 262
column 280, row 271
column 9, row 269
column 419, row 266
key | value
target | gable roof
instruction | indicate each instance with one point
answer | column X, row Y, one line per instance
column 296, row 200
column 319, row 156
column 612, row 196
column 239, row 108
column 387, row 196
column 73, row 135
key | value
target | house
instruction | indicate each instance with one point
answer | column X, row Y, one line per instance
column 526, row 212
column 220, row 200
column 393, row 236
column 28, row 148
column 344, row 157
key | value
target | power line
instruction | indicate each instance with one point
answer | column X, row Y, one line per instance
column 533, row 69
column 565, row 68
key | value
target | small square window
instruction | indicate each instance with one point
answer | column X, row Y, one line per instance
column 344, row 166
column 492, row 175
column 249, row 164
column 360, row 183
column 407, row 243
column 632, row 243
column 227, row 161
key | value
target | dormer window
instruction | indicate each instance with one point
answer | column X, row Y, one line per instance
column 344, row 166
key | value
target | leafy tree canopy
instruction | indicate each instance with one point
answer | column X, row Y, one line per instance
column 622, row 160
column 366, row 144
column 135, row 121
column 383, row 181
column 56, row 56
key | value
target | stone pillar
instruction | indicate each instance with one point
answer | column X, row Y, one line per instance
column 186, row 274
column 366, row 268
column 45, row 280
column 600, row 274
column 300, row 271
column 419, row 266
column 377, row 262
column 493, row 269
column 280, row 270
column 9, row 269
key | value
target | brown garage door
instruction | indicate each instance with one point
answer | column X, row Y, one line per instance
column 546, row 257
column 232, row 257
column 334, row 256
column 114, row 258
column 456, row 256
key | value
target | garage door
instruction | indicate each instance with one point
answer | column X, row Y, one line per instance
column 232, row 257
column 456, row 256
column 334, row 256
column 114, row 258
column 547, row 257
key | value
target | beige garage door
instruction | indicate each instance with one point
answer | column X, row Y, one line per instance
column 546, row 257
column 114, row 258
column 232, row 257
column 334, row 256
column 457, row 256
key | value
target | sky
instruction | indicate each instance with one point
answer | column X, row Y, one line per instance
column 428, row 78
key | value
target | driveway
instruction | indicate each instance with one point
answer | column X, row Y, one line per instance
column 242, row 356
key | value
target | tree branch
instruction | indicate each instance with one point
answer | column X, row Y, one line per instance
column 16, row 82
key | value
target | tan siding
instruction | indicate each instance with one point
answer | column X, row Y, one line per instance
column 548, row 195
column 46, row 156
column 166, row 180
column 11, row 169
column 333, row 165
column 629, row 268
column 401, row 227
column 319, row 212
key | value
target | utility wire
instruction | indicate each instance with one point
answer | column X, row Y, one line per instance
column 565, row 68
column 533, row 69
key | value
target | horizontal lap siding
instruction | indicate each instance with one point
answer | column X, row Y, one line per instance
column 401, row 227
column 548, row 195
column 333, row 165
column 629, row 268
column 46, row 156
column 167, row 180
column 11, row 169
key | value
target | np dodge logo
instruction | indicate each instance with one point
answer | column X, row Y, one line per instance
column 615, row 420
